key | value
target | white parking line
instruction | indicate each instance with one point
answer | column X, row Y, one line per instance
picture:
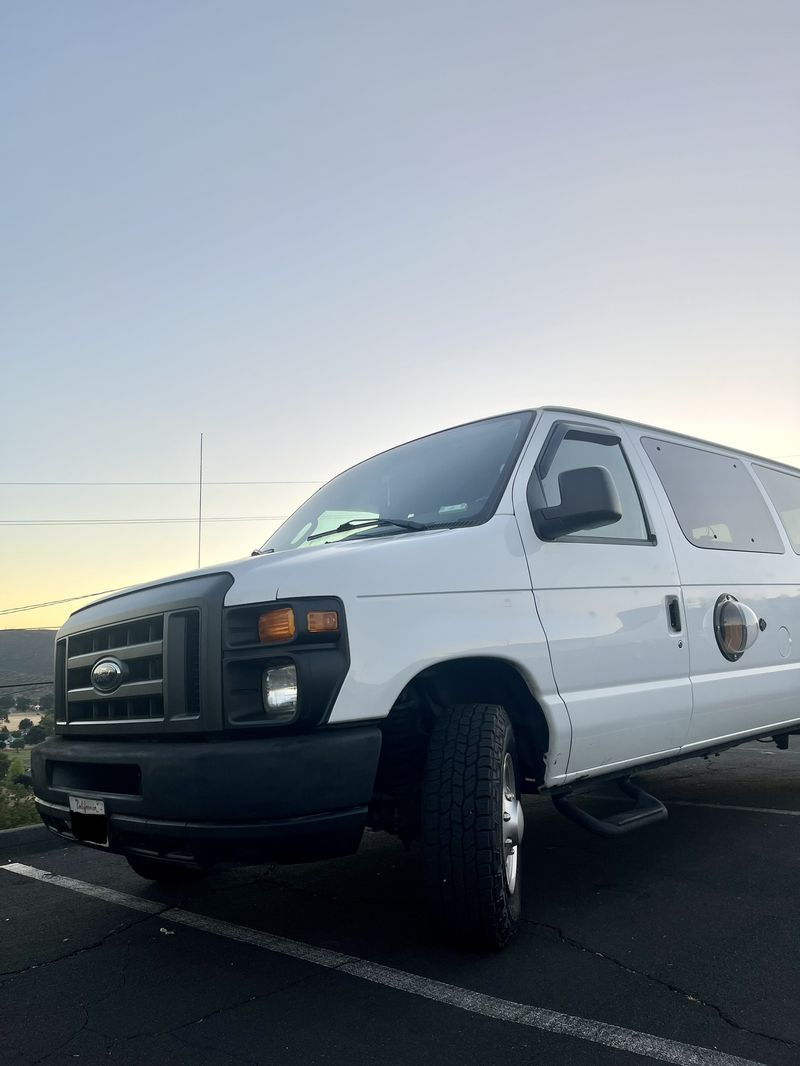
column 732, row 807
column 613, row 1036
column 759, row 751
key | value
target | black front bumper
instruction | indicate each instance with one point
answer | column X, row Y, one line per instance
column 283, row 799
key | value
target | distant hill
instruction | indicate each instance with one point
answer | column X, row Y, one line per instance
column 26, row 655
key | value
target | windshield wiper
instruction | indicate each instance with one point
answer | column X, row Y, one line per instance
column 365, row 523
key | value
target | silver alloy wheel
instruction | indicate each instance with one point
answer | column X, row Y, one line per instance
column 513, row 822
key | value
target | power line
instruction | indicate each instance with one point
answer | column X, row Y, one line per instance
column 56, row 603
column 29, row 684
column 194, row 484
column 134, row 521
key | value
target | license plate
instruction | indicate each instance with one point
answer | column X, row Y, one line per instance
column 81, row 805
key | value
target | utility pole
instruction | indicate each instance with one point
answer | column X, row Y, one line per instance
column 200, row 506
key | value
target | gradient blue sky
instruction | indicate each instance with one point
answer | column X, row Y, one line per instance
column 314, row 230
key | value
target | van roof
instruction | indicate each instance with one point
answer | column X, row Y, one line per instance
column 671, row 433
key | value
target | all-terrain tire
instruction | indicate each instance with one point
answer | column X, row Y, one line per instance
column 464, row 856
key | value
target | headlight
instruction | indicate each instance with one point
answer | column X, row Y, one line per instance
column 279, row 692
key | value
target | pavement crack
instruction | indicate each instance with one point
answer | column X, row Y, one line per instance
column 571, row 942
column 243, row 1002
column 65, row 1043
column 11, row 974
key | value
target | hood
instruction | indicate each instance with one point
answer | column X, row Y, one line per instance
column 471, row 559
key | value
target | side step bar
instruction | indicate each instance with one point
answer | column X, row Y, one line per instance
column 645, row 810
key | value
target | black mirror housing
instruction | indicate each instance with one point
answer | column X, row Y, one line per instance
column 589, row 499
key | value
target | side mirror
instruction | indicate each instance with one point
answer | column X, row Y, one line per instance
column 589, row 499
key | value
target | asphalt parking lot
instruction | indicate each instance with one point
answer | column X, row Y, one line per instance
column 678, row 944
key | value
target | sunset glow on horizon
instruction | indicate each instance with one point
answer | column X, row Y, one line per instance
column 315, row 232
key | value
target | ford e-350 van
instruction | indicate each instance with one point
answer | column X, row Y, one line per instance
column 528, row 603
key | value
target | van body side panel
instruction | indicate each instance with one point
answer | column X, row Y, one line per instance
column 762, row 688
column 621, row 670
column 399, row 636
column 412, row 602
column 619, row 673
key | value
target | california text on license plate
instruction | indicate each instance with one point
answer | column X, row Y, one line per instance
column 81, row 805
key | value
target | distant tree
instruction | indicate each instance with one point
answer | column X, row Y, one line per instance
column 48, row 724
column 3, row 730
column 5, row 762
column 17, row 805
column 25, row 724
column 6, row 704
column 17, row 743
column 23, row 703
column 35, row 735
column 47, row 702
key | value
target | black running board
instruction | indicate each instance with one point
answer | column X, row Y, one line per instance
column 645, row 810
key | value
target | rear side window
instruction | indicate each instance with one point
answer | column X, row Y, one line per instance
column 714, row 497
column 784, row 491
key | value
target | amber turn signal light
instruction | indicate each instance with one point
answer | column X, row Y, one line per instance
column 276, row 626
column 322, row 622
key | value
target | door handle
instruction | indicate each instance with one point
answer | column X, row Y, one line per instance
column 674, row 614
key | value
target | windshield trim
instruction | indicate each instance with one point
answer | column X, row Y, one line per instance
column 527, row 415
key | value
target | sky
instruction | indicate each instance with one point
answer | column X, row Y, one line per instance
column 311, row 231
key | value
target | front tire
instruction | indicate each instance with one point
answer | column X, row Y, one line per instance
column 472, row 826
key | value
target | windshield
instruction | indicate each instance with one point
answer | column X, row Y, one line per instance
column 453, row 478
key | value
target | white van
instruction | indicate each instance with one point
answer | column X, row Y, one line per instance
column 528, row 603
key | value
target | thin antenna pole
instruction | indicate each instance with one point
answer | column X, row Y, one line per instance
column 200, row 506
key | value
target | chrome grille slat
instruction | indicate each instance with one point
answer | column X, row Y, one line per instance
column 124, row 692
column 132, row 651
column 140, row 709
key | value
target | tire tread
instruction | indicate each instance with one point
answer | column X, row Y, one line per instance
column 461, row 842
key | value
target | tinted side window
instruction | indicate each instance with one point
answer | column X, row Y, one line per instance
column 784, row 491
column 714, row 498
column 574, row 454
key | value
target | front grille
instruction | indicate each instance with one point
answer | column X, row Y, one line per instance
column 149, row 666
column 113, row 638
column 60, row 702
column 139, row 646
column 166, row 640
column 191, row 665
column 140, row 708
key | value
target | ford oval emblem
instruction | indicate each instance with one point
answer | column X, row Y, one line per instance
column 107, row 675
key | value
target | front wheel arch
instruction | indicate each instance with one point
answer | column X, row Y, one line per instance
column 483, row 679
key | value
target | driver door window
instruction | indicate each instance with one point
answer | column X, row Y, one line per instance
column 574, row 453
